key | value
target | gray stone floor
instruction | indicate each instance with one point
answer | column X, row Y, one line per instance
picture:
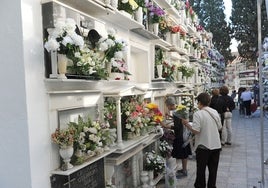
column 240, row 163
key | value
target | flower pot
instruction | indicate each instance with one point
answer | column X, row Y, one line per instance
column 151, row 177
column 155, row 28
column 66, row 153
column 159, row 71
column 168, row 37
column 107, row 2
column 179, row 76
column 139, row 15
column 62, row 66
column 144, row 179
column 174, row 39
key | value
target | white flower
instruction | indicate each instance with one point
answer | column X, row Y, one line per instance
column 111, row 31
column 118, row 55
column 128, row 126
column 52, row 45
column 103, row 46
column 93, row 130
column 124, row 1
column 110, row 43
column 67, row 40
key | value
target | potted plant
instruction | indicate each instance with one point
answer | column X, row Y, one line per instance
column 65, row 139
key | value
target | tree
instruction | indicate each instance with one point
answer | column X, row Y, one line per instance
column 212, row 18
column 245, row 29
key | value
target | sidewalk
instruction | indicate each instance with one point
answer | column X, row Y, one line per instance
column 240, row 163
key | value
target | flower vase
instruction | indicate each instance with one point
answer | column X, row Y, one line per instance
column 144, row 179
column 54, row 66
column 168, row 37
column 179, row 76
column 174, row 39
column 155, row 28
column 62, row 66
column 151, row 178
column 66, row 153
column 159, row 71
column 114, row 3
column 139, row 15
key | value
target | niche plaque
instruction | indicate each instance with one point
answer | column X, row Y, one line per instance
column 91, row 176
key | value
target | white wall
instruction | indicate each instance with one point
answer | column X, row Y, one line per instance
column 24, row 131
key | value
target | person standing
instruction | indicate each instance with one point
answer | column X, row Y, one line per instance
column 206, row 125
column 226, row 137
column 240, row 101
column 180, row 152
column 246, row 97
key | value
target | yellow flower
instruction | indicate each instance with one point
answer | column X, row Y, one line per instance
column 133, row 4
column 181, row 107
column 151, row 106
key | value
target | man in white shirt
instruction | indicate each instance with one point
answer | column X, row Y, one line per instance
column 246, row 97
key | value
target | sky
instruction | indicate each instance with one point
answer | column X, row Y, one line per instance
column 228, row 10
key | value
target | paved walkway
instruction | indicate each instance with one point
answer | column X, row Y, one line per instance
column 240, row 163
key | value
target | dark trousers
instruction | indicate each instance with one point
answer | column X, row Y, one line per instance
column 247, row 106
column 206, row 158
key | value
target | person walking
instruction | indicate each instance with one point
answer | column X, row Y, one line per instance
column 206, row 125
column 246, row 97
column 226, row 137
column 180, row 152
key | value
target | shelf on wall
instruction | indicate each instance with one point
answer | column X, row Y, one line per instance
column 78, row 167
column 101, row 11
column 145, row 33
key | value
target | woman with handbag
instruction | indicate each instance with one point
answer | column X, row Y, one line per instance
column 206, row 125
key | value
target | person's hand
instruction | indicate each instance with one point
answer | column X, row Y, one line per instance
column 184, row 121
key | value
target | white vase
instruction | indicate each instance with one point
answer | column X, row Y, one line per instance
column 168, row 37
column 155, row 28
column 62, row 65
column 66, row 153
column 139, row 15
column 159, row 70
column 179, row 76
column 151, row 178
column 114, row 3
column 174, row 39
column 54, row 65
column 144, row 179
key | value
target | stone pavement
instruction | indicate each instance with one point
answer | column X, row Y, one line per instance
column 240, row 163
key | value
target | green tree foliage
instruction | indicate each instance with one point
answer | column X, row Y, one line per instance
column 212, row 18
column 245, row 28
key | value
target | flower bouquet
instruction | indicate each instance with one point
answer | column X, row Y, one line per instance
column 128, row 5
column 64, row 137
column 114, row 50
column 154, row 162
column 156, row 14
column 90, row 138
column 134, row 116
column 165, row 149
column 64, row 39
column 182, row 112
column 154, row 113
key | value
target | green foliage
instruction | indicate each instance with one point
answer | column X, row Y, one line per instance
column 212, row 18
column 245, row 29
